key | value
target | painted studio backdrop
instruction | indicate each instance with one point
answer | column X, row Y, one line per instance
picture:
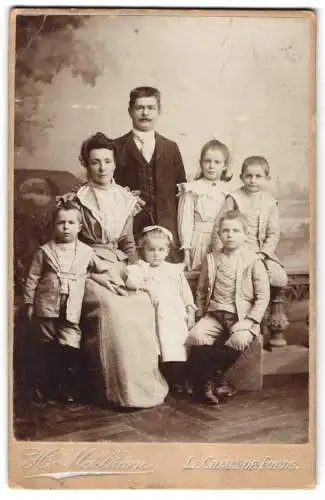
column 246, row 81
column 241, row 80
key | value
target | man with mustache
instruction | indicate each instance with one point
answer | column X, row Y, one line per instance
column 151, row 164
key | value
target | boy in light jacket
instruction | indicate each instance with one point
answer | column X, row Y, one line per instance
column 232, row 296
column 53, row 296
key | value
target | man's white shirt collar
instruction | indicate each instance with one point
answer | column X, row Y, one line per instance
column 145, row 142
column 144, row 137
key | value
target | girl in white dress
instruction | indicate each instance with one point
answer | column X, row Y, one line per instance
column 171, row 296
column 200, row 202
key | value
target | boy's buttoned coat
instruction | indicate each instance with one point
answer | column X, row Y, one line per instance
column 169, row 171
column 252, row 286
column 43, row 284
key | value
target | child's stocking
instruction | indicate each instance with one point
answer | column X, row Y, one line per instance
column 201, row 368
column 68, row 365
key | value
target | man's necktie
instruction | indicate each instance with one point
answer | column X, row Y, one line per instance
column 146, row 149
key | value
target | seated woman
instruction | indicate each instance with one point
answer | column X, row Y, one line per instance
column 119, row 343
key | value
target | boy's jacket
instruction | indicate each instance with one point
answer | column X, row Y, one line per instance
column 252, row 286
column 269, row 226
column 43, row 285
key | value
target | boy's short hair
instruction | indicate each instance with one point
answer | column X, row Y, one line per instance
column 234, row 215
column 144, row 92
column 255, row 160
column 65, row 206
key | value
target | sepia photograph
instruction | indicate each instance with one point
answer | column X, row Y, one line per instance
column 161, row 230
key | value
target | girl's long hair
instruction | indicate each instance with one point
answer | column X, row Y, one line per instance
column 226, row 176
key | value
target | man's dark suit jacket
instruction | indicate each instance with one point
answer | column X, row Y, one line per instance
column 169, row 171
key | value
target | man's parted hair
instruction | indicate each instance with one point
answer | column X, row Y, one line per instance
column 144, row 92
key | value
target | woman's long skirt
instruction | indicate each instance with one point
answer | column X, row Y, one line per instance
column 120, row 348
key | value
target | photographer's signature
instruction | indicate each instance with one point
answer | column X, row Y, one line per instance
column 58, row 463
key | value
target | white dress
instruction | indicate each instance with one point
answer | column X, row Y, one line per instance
column 171, row 294
column 199, row 204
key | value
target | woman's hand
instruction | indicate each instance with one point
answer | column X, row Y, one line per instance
column 104, row 281
column 30, row 311
column 109, row 286
column 121, row 291
column 117, row 289
column 187, row 259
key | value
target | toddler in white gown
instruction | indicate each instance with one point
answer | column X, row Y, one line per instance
column 171, row 296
